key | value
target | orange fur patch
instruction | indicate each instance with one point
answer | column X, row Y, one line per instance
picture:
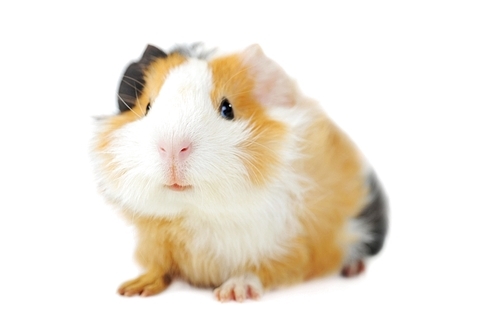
column 232, row 81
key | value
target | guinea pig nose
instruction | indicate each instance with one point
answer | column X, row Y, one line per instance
column 177, row 150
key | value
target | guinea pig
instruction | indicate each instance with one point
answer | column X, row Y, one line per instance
column 232, row 177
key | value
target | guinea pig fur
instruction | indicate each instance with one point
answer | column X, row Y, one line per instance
column 233, row 179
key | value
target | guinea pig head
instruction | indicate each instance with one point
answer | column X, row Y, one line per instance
column 193, row 129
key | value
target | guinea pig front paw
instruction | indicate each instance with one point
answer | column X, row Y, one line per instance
column 239, row 288
column 145, row 285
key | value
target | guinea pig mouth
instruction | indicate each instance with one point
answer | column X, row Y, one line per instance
column 178, row 188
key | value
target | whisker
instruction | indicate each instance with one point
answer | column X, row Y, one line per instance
column 137, row 99
column 133, row 79
column 131, row 85
column 254, row 142
column 251, row 161
column 121, row 99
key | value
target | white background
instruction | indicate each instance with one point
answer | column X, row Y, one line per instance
column 415, row 85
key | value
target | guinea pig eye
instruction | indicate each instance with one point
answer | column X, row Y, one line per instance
column 226, row 110
column 148, row 107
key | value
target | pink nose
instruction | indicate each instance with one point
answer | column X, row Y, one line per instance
column 178, row 150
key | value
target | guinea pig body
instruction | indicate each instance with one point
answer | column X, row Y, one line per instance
column 232, row 177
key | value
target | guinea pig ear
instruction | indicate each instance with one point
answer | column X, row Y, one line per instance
column 133, row 80
column 273, row 87
column 152, row 53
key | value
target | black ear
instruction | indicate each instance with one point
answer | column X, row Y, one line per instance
column 133, row 80
column 152, row 53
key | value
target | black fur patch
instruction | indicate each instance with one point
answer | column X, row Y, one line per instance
column 375, row 215
column 133, row 80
